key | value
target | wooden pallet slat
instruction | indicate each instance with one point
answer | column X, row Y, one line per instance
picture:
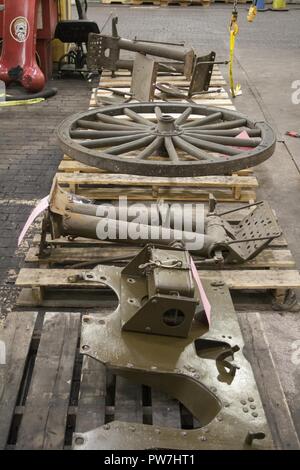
column 128, row 401
column 136, row 180
column 110, row 186
column 149, row 194
column 103, row 186
column 91, row 402
column 276, row 407
column 165, row 410
column 235, row 279
column 68, row 165
column 279, row 258
column 15, row 334
column 44, row 420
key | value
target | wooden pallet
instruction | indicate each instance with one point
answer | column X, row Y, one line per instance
column 50, row 391
column 97, row 184
column 48, row 281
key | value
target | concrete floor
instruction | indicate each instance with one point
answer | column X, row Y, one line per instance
column 267, row 62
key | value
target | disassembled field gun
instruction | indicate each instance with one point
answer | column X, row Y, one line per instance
column 217, row 242
column 172, row 331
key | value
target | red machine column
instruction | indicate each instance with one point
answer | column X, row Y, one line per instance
column 46, row 24
column 18, row 62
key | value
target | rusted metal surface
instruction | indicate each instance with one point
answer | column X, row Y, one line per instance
column 200, row 80
column 202, row 74
column 143, row 78
column 166, row 139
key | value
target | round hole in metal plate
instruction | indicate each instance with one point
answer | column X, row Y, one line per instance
column 173, row 317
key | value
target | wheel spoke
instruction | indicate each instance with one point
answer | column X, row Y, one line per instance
column 124, row 148
column 137, row 117
column 210, row 147
column 226, row 125
column 173, row 155
column 158, row 112
column 119, row 122
column 234, row 141
column 191, row 149
column 200, row 122
column 89, row 134
column 96, row 143
column 225, row 132
column 148, row 151
column 183, row 117
column 105, row 126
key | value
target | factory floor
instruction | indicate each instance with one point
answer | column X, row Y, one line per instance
column 267, row 65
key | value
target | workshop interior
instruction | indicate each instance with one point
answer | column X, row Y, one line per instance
column 150, row 227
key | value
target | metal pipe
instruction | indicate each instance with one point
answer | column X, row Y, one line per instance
column 159, row 50
column 127, row 64
column 113, row 230
column 183, row 54
column 159, row 214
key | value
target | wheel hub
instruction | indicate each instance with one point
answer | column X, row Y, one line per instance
column 166, row 126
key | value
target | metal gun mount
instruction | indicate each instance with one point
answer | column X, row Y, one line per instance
column 215, row 240
column 104, row 52
column 159, row 279
column 154, row 338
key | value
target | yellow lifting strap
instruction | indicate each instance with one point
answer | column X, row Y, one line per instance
column 20, row 102
column 252, row 12
column 234, row 29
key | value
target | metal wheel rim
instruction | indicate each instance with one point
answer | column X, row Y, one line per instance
column 212, row 165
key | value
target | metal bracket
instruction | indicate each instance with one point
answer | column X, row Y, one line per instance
column 186, row 369
column 202, row 74
column 157, row 292
column 144, row 77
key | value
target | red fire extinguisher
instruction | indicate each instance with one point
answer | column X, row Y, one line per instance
column 18, row 62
